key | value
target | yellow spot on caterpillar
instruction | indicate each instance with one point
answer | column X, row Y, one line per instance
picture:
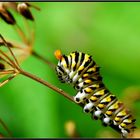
column 92, row 69
column 88, row 89
column 101, row 92
column 115, row 106
column 72, row 54
column 73, row 64
column 63, row 62
column 107, row 99
column 109, row 112
column 87, row 81
column 81, row 68
column 127, row 121
column 85, row 75
column 100, row 106
column 123, row 125
column 86, row 57
column 122, row 113
column 58, row 54
column 117, row 119
column 97, row 85
column 93, row 98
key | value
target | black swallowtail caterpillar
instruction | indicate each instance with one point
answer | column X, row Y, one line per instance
column 81, row 70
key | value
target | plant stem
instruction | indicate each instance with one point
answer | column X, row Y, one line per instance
column 5, row 127
column 43, row 59
column 21, row 34
column 7, row 80
column 66, row 95
column 7, row 72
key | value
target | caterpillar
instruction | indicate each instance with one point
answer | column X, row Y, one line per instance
column 80, row 70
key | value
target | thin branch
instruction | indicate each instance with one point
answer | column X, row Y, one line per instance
column 7, row 72
column 12, row 64
column 31, row 33
column 21, row 34
column 6, row 60
column 7, row 80
column 5, row 127
column 43, row 59
column 34, row 6
column 17, row 64
column 66, row 95
column 5, row 43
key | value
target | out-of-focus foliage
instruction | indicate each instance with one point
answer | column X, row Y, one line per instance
column 110, row 32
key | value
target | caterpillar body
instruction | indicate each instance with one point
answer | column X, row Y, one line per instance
column 81, row 70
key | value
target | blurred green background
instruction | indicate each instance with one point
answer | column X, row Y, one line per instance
column 110, row 32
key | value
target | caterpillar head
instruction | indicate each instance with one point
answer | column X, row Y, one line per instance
column 61, row 69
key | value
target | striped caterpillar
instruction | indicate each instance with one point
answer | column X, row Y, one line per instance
column 82, row 72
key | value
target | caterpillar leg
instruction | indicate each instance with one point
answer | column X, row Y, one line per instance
column 107, row 121
column 124, row 133
column 88, row 107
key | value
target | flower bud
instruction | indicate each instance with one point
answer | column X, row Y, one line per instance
column 7, row 16
column 23, row 9
column 2, row 66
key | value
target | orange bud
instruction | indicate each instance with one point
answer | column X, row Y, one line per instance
column 58, row 54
